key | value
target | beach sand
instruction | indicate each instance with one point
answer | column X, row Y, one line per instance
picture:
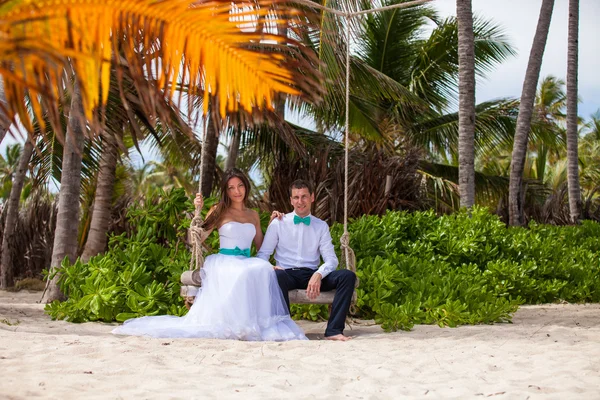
column 550, row 351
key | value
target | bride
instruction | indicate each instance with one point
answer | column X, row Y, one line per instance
column 240, row 297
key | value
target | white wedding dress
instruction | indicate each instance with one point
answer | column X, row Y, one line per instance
column 240, row 299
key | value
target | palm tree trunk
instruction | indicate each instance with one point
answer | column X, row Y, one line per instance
column 97, row 237
column 466, row 103
column 572, row 138
column 282, row 30
column 210, row 154
column 4, row 121
column 234, row 149
column 12, row 214
column 532, row 75
column 67, row 220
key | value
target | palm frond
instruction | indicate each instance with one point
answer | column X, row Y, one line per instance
column 494, row 128
column 206, row 47
column 486, row 187
column 434, row 73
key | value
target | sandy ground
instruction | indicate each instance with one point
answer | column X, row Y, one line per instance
column 550, row 351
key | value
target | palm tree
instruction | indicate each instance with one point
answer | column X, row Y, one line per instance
column 572, row 131
column 127, row 123
column 589, row 156
column 466, row 100
column 515, row 198
column 12, row 213
column 67, row 221
column 209, row 150
column 8, row 166
column 593, row 126
column 39, row 34
column 4, row 120
column 404, row 83
column 233, row 149
column 97, row 236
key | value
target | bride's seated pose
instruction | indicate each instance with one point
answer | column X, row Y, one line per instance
column 240, row 297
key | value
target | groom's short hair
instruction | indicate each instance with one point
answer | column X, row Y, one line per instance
column 301, row 184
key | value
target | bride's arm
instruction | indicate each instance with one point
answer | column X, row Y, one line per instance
column 258, row 238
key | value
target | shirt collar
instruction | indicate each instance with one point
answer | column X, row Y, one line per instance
column 293, row 213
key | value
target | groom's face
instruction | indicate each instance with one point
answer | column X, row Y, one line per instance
column 302, row 200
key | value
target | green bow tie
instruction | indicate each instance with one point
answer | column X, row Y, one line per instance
column 235, row 252
column 300, row 220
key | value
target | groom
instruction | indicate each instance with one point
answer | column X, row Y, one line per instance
column 299, row 240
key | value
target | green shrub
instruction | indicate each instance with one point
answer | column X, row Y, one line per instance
column 414, row 268
column 139, row 275
column 465, row 268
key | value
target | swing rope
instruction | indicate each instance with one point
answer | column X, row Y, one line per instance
column 197, row 233
column 349, row 259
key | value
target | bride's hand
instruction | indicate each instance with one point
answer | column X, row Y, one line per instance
column 276, row 214
column 199, row 201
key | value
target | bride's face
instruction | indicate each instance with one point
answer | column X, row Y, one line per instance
column 236, row 190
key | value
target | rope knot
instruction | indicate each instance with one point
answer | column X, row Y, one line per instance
column 197, row 236
column 345, row 240
column 349, row 258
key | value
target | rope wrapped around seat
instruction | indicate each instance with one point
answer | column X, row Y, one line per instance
column 349, row 262
column 197, row 236
column 193, row 277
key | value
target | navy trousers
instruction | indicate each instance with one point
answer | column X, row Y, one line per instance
column 341, row 280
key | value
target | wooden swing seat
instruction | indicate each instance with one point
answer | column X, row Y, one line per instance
column 190, row 284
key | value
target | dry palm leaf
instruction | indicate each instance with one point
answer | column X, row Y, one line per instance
column 205, row 48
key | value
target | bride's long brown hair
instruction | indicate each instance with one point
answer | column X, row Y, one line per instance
column 225, row 202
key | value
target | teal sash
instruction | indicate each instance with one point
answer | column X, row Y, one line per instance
column 235, row 252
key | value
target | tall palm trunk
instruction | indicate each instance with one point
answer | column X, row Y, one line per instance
column 572, row 157
column 12, row 214
column 4, row 121
column 97, row 237
column 210, row 153
column 282, row 30
column 234, row 149
column 67, row 220
column 519, row 153
column 466, row 103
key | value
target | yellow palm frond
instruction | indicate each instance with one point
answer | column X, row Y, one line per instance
column 211, row 48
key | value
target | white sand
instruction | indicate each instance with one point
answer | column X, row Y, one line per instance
column 550, row 351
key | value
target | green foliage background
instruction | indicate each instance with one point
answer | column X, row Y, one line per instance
column 414, row 268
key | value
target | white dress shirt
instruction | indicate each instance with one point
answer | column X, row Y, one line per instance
column 298, row 246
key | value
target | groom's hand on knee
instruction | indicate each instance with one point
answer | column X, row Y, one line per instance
column 314, row 286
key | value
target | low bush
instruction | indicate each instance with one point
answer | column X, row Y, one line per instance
column 139, row 274
column 414, row 268
column 465, row 268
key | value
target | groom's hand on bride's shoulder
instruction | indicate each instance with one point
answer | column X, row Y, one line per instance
column 314, row 286
column 276, row 214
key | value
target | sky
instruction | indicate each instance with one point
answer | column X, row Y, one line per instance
column 519, row 19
